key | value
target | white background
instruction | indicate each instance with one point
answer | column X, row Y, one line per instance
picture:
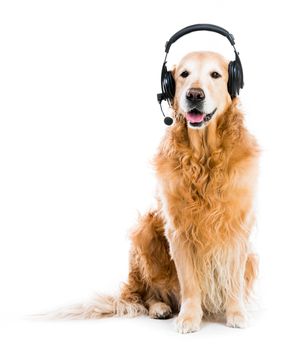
column 79, row 126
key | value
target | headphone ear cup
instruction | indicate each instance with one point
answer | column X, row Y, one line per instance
column 231, row 80
column 236, row 78
column 239, row 72
column 168, row 84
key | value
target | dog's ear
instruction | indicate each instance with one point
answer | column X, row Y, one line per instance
column 173, row 84
column 173, row 71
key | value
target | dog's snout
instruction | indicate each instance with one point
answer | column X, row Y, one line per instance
column 195, row 95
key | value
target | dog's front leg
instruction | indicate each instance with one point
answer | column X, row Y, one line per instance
column 190, row 314
column 235, row 308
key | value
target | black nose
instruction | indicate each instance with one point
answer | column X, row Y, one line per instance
column 195, row 95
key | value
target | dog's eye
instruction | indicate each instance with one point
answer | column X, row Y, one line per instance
column 215, row 75
column 184, row 74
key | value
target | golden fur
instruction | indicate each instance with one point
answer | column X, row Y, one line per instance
column 191, row 254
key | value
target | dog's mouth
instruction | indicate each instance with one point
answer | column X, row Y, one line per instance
column 197, row 118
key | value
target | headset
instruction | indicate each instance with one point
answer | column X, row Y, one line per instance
column 235, row 69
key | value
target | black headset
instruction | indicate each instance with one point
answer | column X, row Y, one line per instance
column 235, row 69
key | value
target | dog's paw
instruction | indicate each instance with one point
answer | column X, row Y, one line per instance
column 187, row 324
column 160, row 310
column 237, row 320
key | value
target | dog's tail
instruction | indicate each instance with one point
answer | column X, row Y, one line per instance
column 100, row 306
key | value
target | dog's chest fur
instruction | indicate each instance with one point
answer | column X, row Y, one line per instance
column 207, row 180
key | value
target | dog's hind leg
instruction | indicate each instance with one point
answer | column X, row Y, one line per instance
column 159, row 309
column 251, row 273
column 152, row 271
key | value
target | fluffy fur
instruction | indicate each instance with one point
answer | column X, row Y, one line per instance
column 191, row 254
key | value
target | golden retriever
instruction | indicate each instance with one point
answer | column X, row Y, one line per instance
column 191, row 254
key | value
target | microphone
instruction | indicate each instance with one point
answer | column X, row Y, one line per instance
column 167, row 120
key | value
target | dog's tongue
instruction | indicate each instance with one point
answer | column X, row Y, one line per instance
column 194, row 117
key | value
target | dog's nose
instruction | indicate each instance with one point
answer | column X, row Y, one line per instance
column 195, row 95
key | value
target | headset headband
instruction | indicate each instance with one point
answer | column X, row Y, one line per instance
column 198, row 27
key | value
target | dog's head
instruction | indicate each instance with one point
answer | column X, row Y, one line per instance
column 201, row 87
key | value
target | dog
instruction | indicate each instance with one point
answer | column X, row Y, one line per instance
column 191, row 254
